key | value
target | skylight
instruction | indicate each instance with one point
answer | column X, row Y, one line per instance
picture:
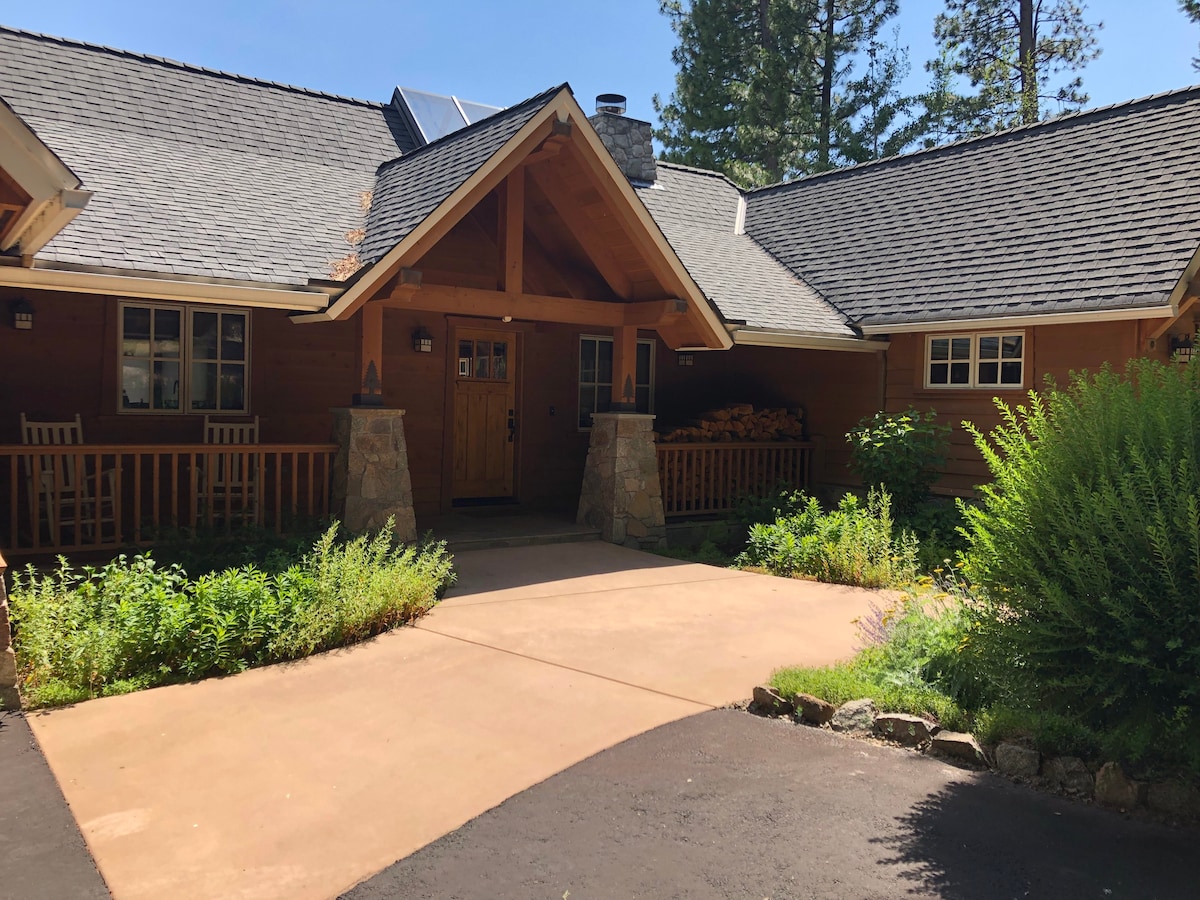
column 435, row 116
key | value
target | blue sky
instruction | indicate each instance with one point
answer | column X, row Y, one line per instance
column 501, row 51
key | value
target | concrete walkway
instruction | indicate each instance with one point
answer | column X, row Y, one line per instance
column 300, row 780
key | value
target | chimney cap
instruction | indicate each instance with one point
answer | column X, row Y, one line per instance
column 611, row 103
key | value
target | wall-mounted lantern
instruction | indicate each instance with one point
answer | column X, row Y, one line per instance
column 686, row 359
column 422, row 341
column 1181, row 348
column 22, row 314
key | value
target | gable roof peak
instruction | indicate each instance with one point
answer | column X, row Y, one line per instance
column 1052, row 123
column 187, row 67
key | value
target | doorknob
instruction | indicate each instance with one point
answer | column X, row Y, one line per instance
column 512, row 426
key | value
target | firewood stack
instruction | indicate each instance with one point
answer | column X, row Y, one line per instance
column 740, row 422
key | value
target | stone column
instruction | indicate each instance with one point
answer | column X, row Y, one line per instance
column 621, row 493
column 9, row 698
column 370, row 473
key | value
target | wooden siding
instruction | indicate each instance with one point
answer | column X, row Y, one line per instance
column 835, row 388
column 1053, row 350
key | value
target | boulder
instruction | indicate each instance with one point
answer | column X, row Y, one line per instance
column 1174, row 798
column 1017, row 761
column 855, row 717
column 1070, row 774
column 904, row 729
column 813, row 710
column 1114, row 788
column 957, row 745
column 770, row 701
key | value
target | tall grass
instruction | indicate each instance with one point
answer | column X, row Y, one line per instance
column 88, row 632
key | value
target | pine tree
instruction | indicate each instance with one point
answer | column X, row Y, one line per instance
column 770, row 89
column 1010, row 52
column 1191, row 8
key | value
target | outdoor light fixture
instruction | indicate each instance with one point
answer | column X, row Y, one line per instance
column 22, row 314
column 1181, row 348
column 686, row 359
column 422, row 341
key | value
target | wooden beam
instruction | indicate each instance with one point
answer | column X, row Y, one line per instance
column 655, row 313
column 370, row 355
column 584, row 232
column 1169, row 323
column 463, row 301
column 624, row 384
column 512, row 245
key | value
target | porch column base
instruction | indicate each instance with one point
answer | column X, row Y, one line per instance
column 621, row 493
column 370, row 474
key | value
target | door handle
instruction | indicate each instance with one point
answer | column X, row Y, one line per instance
column 512, row 426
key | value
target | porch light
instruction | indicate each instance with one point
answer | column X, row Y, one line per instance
column 1181, row 348
column 686, row 359
column 422, row 341
column 22, row 314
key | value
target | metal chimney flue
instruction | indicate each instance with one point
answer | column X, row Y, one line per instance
column 613, row 104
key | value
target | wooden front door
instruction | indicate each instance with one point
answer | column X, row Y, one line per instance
column 485, row 423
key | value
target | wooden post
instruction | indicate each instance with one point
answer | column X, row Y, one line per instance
column 624, row 385
column 370, row 355
column 512, row 233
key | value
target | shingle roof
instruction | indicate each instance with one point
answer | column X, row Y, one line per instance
column 410, row 188
column 697, row 211
column 1092, row 211
column 197, row 172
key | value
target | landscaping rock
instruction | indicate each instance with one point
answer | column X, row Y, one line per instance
column 1070, row 774
column 904, row 729
column 855, row 717
column 1174, row 798
column 813, row 710
column 958, row 745
column 1017, row 761
column 1114, row 788
column 768, row 700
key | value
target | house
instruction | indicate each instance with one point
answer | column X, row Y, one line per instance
column 424, row 303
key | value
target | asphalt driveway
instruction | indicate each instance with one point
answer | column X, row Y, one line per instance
column 727, row 805
column 301, row 780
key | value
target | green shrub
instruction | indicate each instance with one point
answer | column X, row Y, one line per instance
column 1087, row 549
column 901, row 452
column 853, row 544
column 938, row 526
column 132, row 624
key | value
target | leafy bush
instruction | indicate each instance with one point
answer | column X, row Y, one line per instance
column 1087, row 548
column 900, row 452
column 938, row 526
column 853, row 544
column 132, row 624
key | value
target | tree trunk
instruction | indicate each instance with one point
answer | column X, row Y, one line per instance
column 771, row 151
column 825, row 136
column 1028, row 63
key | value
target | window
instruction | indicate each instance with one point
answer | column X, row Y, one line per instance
column 184, row 359
column 975, row 360
column 595, row 377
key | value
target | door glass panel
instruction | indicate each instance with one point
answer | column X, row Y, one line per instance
column 483, row 355
column 466, row 356
column 500, row 359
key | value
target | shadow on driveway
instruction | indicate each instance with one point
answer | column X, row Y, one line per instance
column 724, row 804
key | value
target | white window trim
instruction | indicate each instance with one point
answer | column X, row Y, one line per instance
column 185, row 358
column 973, row 361
column 650, row 342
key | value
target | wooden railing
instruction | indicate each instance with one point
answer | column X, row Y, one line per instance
column 91, row 496
column 710, row 478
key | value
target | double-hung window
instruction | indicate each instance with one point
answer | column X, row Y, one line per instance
column 596, row 373
column 993, row 360
column 184, row 359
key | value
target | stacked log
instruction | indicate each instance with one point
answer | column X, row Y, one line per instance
column 740, row 422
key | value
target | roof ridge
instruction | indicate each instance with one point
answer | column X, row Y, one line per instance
column 468, row 129
column 712, row 173
column 190, row 67
column 1069, row 118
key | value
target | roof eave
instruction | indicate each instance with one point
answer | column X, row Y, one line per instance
column 803, row 340
column 1021, row 321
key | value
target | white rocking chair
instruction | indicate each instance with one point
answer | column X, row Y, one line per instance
column 67, row 491
column 229, row 481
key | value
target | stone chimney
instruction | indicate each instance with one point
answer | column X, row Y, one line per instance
column 630, row 141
